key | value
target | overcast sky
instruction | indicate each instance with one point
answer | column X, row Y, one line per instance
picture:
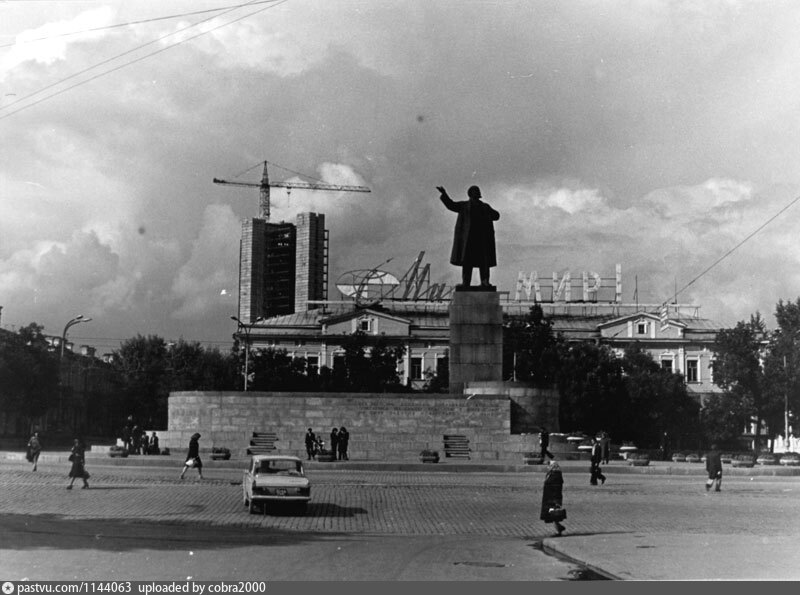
column 656, row 135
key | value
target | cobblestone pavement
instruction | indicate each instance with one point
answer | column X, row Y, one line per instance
column 418, row 503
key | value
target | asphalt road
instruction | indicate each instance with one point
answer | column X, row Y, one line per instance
column 145, row 524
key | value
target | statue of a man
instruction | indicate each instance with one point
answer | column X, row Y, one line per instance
column 473, row 238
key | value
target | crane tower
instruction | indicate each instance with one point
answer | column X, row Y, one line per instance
column 282, row 266
column 265, row 185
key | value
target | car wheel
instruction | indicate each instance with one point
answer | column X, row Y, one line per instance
column 302, row 507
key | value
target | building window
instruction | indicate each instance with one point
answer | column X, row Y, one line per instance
column 666, row 364
column 365, row 325
column 312, row 365
column 415, row 373
column 692, row 374
column 442, row 367
column 338, row 362
column 641, row 328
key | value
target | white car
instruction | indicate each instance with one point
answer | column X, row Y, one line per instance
column 275, row 478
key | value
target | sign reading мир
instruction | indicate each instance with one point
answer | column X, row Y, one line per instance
column 560, row 287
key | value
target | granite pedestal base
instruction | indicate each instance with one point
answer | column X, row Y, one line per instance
column 476, row 338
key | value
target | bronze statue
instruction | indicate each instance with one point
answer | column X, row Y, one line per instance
column 473, row 238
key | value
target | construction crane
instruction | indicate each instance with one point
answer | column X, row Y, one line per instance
column 265, row 185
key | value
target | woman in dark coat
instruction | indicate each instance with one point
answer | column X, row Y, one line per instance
column 552, row 495
column 193, row 456
column 77, row 457
column 34, row 450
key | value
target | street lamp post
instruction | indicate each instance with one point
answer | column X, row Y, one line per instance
column 242, row 325
column 77, row 320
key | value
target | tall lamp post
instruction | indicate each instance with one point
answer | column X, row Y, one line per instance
column 246, row 328
column 77, row 320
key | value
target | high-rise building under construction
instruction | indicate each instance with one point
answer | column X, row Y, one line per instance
column 282, row 266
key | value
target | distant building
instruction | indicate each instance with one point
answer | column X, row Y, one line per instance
column 683, row 343
column 282, row 266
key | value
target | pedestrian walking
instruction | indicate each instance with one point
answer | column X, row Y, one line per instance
column 553, row 510
column 344, row 443
column 334, row 442
column 145, row 444
column 311, row 444
column 77, row 457
column 193, row 456
column 34, row 450
column 544, row 443
column 597, row 458
column 605, row 444
column 714, row 468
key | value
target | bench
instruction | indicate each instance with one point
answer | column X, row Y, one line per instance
column 456, row 446
column 262, row 443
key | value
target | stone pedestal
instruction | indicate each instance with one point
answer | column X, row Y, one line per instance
column 476, row 338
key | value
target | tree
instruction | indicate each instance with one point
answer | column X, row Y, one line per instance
column 368, row 365
column 531, row 351
column 782, row 367
column 738, row 371
column 28, row 374
column 190, row 366
column 592, row 391
column 275, row 370
column 658, row 403
column 141, row 365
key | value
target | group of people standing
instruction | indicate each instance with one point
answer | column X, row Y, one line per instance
column 137, row 442
column 340, row 439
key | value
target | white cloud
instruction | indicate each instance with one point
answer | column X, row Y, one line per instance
column 49, row 43
column 199, row 282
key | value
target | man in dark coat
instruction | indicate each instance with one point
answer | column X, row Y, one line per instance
column 311, row 444
column 473, row 238
column 553, row 496
column 544, row 443
column 334, row 442
column 714, row 468
column 344, row 441
column 597, row 457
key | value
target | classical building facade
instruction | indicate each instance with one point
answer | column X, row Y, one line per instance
column 682, row 342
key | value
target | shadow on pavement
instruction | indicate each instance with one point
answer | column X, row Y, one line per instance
column 48, row 531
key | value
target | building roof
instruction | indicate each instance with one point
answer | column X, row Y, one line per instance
column 435, row 315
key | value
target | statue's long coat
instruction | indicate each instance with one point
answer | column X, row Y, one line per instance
column 473, row 237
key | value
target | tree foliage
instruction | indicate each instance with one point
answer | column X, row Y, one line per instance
column 738, row 371
column 28, row 374
column 532, row 352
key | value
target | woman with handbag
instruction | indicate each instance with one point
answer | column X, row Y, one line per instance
column 193, row 456
column 78, row 469
column 552, row 498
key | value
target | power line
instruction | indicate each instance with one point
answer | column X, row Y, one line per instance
column 121, row 66
column 729, row 252
column 131, row 23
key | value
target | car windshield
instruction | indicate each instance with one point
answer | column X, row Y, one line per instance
column 280, row 467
